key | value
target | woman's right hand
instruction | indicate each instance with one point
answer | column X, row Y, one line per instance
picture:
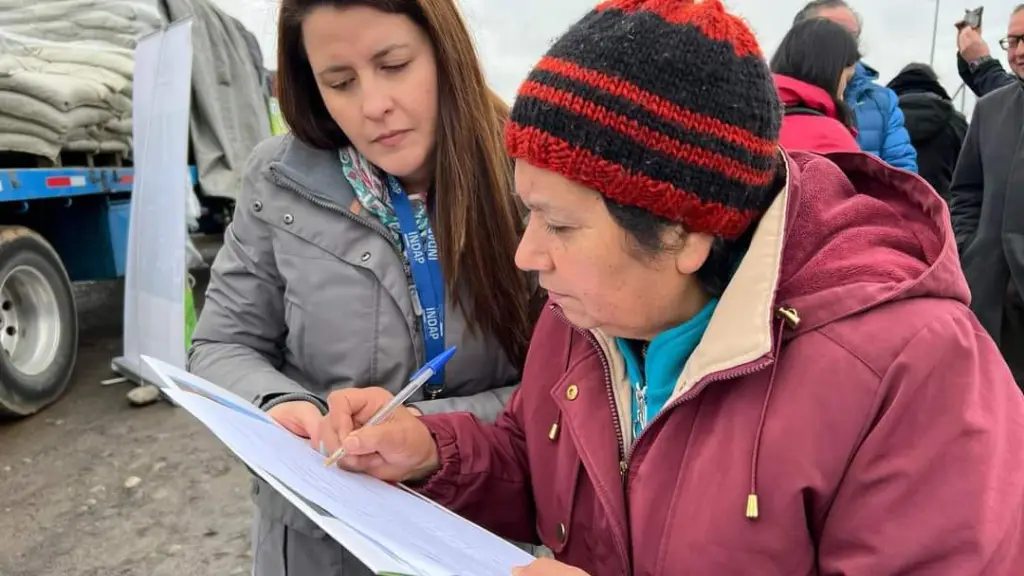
column 397, row 450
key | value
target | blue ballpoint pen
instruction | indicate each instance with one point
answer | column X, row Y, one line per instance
column 415, row 383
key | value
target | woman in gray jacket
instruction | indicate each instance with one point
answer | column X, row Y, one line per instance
column 381, row 231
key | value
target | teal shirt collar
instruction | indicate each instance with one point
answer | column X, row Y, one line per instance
column 653, row 376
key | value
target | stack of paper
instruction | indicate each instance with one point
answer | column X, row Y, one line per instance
column 392, row 530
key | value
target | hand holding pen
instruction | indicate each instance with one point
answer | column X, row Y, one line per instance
column 366, row 430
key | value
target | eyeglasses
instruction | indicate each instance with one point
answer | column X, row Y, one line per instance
column 1011, row 42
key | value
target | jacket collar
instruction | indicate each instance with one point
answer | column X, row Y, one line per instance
column 315, row 170
column 866, row 72
column 740, row 331
column 863, row 77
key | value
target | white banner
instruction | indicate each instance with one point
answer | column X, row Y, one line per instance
column 154, row 307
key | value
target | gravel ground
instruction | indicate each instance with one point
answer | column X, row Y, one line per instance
column 95, row 487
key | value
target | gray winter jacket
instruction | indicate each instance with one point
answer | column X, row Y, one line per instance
column 308, row 295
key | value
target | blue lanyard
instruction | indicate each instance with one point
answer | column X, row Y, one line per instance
column 428, row 296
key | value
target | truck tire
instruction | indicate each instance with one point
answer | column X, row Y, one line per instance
column 38, row 323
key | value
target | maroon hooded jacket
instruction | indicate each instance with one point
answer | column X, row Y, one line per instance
column 844, row 414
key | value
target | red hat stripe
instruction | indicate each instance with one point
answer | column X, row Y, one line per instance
column 660, row 106
column 620, row 185
column 732, row 169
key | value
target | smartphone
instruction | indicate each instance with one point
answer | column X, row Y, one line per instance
column 972, row 18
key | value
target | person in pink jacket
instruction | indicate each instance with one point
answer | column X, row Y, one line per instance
column 812, row 66
column 752, row 362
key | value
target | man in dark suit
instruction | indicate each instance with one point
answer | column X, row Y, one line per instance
column 987, row 206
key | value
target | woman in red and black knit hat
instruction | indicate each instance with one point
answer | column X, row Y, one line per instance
column 752, row 362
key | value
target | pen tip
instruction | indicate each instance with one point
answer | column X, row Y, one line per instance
column 438, row 361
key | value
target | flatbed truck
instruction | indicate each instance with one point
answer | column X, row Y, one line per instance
column 59, row 224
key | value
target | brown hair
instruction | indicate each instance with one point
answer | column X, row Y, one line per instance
column 477, row 221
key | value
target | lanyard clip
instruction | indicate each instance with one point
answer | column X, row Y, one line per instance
column 417, row 305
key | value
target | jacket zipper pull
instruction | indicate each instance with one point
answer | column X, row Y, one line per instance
column 790, row 316
column 641, row 408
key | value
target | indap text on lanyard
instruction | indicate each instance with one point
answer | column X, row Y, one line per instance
column 428, row 280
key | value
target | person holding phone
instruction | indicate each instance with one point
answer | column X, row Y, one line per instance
column 752, row 361
column 987, row 207
column 377, row 234
column 980, row 72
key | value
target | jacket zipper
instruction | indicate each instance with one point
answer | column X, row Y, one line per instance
column 693, row 393
column 288, row 183
column 624, row 459
column 784, row 315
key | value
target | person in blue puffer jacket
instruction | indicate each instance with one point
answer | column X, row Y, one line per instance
column 880, row 122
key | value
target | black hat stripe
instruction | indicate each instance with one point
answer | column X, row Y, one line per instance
column 613, row 146
column 705, row 139
column 647, row 51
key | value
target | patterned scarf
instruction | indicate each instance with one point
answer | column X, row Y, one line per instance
column 371, row 189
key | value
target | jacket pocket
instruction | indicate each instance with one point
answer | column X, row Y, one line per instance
column 556, row 473
column 331, row 313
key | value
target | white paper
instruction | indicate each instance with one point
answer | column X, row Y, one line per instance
column 154, row 292
column 383, row 521
column 379, row 560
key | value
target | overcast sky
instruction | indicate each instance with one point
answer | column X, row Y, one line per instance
column 512, row 34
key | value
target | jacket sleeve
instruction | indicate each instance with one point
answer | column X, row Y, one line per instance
column 484, row 405
column 483, row 464
column 898, row 151
column 239, row 338
column 937, row 484
column 989, row 76
column 967, row 189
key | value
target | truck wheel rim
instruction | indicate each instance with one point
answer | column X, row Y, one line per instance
column 30, row 323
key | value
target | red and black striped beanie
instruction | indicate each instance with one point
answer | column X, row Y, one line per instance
column 665, row 105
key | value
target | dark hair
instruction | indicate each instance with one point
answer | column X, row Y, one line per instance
column 816, row 51
column 476, row 218
column 811, row 9
column 647, row 231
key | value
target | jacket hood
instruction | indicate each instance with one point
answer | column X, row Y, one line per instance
column 862, row 75
column 861, row 234
column 795, row 92
column 918, row 78
column 848, row 233
column 855, row 234
column 926, row 105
